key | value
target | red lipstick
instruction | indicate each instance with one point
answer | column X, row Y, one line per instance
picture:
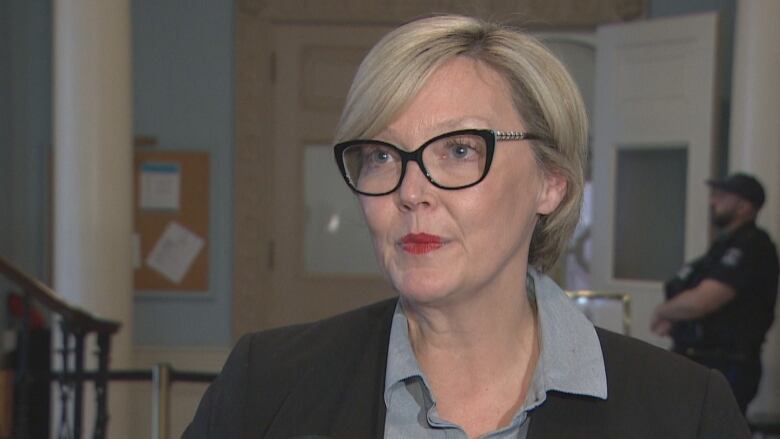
column 421, row 243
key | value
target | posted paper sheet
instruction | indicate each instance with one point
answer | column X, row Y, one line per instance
column 174, row 252
column 160, row 186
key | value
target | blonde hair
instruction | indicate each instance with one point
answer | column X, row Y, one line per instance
column 543, row 93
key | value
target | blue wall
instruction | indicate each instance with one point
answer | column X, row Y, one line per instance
column 25, row 132
column 183, row 96
column 5, row 127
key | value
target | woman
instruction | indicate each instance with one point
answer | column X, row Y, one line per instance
column 464, row 142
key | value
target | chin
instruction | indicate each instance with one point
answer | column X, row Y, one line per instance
column 422, row 288
column 418, row 288
column 423, row 279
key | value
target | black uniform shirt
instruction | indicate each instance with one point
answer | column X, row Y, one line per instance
column 746, row 260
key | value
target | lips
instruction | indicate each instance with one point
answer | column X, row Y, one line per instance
column 421, row 243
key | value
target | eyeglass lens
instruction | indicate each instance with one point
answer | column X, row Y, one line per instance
column 451, row 161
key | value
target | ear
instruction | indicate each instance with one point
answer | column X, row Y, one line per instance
column 745, row 207
column 553, row 190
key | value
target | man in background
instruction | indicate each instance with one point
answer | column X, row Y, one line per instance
column 719, row 307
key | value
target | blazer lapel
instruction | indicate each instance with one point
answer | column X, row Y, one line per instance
column 362, row 411
column 343, row 395
column 564, row 415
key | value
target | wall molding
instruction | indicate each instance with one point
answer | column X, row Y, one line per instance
column 194, row 359
column 542, row 12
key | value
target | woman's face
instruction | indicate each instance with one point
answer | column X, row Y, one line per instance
column 437, row 245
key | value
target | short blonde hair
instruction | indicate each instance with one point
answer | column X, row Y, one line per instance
column 542, row 90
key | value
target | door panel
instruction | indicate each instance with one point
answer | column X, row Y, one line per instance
column 323, row 260
column 653, row 150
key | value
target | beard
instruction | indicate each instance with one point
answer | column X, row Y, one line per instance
column 723, row 219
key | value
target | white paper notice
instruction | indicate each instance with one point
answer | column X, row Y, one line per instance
column 160, row 185
column 174, row 252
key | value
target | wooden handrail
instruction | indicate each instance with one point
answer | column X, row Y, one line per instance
column 76, row 318
column 75, row 325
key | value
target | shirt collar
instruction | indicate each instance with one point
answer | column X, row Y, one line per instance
column 570, row 361
column 726, row 235
column 401, row 362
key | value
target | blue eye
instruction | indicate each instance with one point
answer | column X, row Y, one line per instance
column 380, row 156
column 460, row 151
column 377, row 156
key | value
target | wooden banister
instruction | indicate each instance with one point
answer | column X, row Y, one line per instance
column 74, row 325
column 78, row 319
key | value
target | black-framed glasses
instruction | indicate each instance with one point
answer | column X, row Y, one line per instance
column 454, row 160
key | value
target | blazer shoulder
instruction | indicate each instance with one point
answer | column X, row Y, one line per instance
column 621, row 349
column 305, row 342
column 272, row 373
column 649, row 383
column 635, row 364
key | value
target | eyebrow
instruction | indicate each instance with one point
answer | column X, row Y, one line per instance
column 468, row 122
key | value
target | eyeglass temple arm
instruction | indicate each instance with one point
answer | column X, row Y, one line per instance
column 515, row 135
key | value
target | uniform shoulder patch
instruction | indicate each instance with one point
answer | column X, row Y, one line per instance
column 732, row 257
column 684, row 272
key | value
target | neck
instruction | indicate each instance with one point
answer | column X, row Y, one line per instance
column 737, row 223
column 495, row 329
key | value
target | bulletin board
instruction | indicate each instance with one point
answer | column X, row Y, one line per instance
column 171, row 221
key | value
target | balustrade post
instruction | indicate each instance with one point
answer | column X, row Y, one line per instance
column 161, row 385
column 78, row 384
column 101, row 385
column 22, row 380
column 65, row 383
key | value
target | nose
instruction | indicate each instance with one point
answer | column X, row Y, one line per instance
column 714, row 198
column 415, row 190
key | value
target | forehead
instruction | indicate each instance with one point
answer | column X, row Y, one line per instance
column 460, row 93
column 724, row 195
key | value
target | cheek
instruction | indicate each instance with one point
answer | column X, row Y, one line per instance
column 521, row 192
column 515, row 204
column 375, row 213
column 497, row 209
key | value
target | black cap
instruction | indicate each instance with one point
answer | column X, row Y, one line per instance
column 744, row 185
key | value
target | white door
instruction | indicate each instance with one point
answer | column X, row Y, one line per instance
column 323, row 260
column 653, row 150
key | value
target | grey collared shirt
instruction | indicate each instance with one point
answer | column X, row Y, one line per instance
column 570, row 361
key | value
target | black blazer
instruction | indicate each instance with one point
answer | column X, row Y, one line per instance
column 326, row 379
